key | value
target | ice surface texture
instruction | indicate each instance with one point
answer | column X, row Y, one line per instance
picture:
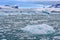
column 39, row 29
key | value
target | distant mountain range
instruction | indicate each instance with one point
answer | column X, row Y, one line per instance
column 29, row 4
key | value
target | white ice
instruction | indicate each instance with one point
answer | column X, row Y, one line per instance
column 39, row 29
column 3, row 39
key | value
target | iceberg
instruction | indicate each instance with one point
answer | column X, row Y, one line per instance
column 46, row 11
column 39, row 29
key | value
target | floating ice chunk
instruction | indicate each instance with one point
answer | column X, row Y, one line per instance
column 56, row 37
column 39, row 29
column 3, row 39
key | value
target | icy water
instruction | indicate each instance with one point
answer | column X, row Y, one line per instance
column 10, row 26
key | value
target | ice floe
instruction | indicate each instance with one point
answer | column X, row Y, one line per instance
column 39, row 29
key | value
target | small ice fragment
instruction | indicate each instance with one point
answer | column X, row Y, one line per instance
column 3, row 39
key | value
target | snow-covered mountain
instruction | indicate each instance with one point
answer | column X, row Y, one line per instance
column 29, row 4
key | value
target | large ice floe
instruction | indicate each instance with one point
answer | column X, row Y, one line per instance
column 39, row 29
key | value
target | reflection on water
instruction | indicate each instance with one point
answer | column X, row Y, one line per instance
column 10, row 26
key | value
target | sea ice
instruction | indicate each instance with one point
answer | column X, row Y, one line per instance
column 39, row 29
column 3, row 39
